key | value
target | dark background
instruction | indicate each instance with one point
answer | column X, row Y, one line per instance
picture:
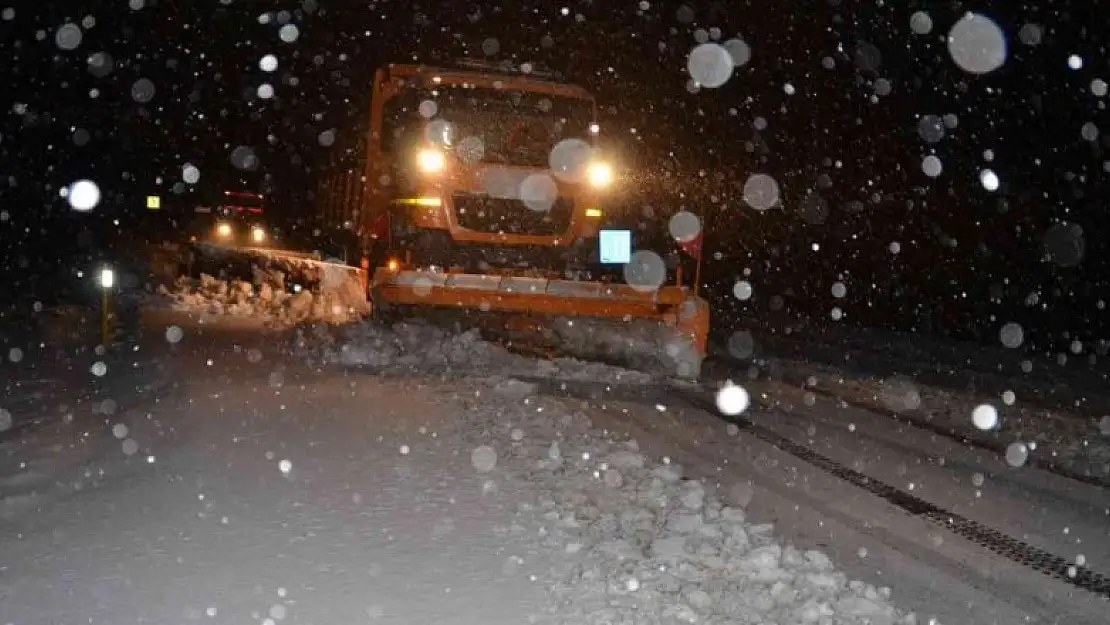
column 848, row 162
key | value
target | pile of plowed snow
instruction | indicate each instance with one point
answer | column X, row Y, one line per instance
column 585, row 348
column 648, row 546
column 642, row 344
column 335, row 297
column 429, row 348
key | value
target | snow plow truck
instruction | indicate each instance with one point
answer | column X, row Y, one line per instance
column 476, row 192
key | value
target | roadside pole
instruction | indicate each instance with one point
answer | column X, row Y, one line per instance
column 107, row 280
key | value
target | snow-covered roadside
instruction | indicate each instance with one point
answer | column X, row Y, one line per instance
column 62, row 331
column 649, row 546
column 1069, row 440
column 1019, row 402
column 1074, row 378
column 1018, row 429
column 56, row 423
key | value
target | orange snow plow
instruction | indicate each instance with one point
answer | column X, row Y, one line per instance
column 663, row 329
column 480, row 189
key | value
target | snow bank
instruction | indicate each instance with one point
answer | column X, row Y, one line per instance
column 428, row 348
column 646, row 545
column 333, row 296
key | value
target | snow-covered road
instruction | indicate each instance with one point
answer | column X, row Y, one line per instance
column 214, row 476
column 1042, row 408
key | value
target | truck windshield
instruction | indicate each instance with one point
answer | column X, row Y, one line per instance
column 486, row 125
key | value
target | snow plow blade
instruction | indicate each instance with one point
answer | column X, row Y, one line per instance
column 662, row 331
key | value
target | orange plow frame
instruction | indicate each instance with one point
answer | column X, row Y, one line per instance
column 672, row 306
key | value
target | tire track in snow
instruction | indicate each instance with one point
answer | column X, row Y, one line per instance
column 993, row 540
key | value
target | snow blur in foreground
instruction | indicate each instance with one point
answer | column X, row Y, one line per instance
column 649, row 546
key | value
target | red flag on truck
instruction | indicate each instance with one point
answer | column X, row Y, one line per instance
column 688, row 231
column 692, row 245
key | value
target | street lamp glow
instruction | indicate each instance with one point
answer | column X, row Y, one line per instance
column 107, row 278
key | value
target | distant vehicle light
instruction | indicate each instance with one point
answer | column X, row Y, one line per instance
column 600, row 175
column 224, row 230
column 431, row 161
column 258, row 234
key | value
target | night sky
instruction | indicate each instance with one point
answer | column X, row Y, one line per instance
column 830, row 105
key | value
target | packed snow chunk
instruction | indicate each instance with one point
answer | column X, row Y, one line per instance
column 515, row 389
column 761, row 559
column 694, row 495
column 684, row 523
column 670, row 549
column 669, row 473
column 622, row 459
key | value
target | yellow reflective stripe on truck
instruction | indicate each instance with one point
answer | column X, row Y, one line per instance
column 419, row 201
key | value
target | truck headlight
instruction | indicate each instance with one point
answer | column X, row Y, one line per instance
column 258, row 235
column 430, row 161
column 599, row 175
column 223, row 230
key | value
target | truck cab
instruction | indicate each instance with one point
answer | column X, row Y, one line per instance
column 485, row 167
column 478, row 191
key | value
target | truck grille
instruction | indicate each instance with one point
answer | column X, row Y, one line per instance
column 502, row 215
